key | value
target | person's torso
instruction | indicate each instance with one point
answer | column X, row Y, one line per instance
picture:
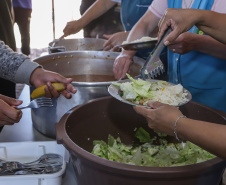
column 132, row 11
column 203, row 75
column 27, row 4
column 158, row 7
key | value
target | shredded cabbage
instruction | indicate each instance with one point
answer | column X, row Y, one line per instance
column 149, row 154
column 140, row 92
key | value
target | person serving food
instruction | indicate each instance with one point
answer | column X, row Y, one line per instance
column 169, row 119
column 195, row 60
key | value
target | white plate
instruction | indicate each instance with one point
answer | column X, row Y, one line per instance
column 114, row 92
column 139, row 45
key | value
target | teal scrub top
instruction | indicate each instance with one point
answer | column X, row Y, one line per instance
column 131, row 12
column 203, row 75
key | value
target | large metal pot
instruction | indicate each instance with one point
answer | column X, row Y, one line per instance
column 95, row 120
column 92, row 74
column 82, row 44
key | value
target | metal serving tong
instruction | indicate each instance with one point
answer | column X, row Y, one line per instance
column 154, row 65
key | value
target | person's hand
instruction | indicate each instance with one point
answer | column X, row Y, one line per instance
column 185, row 43
column 41, row 77
column 122, row 64
column 179, row 24
column 114, row 40
column 72, row 27
column 161, row 117
column 8, row 114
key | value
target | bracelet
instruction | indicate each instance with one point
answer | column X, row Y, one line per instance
column 175, row 127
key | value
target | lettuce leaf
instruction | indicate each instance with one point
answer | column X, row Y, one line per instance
column 147, row 154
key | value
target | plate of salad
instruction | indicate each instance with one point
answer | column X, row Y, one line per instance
column 139, row 92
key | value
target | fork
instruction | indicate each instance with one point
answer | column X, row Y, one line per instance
column 37, row 103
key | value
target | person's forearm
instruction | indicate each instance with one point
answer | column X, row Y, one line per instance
column 144, row 27
column 24, row 72
column 206, row 135
column 96, row 10
column 10, row 61
column 209, row 22
column 15, row 67
column 212, row 23
column 208, row 45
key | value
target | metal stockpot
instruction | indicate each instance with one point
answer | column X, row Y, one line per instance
column 92, row 74
column 83, row 44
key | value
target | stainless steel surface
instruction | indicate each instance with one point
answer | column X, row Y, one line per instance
column 24, row 131
column 139, row 45
column 154, row 65
column 82, row 44
column 114, row 92
column 77, row 63
column 37, row 103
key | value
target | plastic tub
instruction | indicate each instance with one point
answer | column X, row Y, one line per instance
column 97, row 119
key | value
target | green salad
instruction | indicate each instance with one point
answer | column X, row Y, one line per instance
column 140, row 91
column 148, row 153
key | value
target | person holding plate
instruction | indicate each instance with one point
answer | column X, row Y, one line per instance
column 195, row 60
column 169, row 119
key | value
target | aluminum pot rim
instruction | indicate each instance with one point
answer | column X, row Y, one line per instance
column 73, row 39
column 104, row 163
column 91, row 84
column 71, row 54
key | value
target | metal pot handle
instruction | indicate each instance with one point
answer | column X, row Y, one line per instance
column 56, row 49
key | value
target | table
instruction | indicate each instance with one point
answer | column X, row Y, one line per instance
column 24, row 131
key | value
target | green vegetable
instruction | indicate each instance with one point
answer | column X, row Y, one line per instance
column 141, row 87
column 140, row 92
column 148, row 154
column 143, row 135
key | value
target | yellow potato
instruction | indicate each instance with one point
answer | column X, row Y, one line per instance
column 39, row 92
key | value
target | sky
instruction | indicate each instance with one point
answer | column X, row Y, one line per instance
column 41, row 28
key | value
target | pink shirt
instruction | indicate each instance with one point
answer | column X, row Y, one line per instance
column 158, row 7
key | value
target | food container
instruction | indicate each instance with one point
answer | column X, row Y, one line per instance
column 27, row 152
column 98, row 118
column 83, row 44
column 92, row 73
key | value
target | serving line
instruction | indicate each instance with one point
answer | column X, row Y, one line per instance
column 24, row 131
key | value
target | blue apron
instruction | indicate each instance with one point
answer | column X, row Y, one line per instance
column 203, row 75
column 131, row 12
